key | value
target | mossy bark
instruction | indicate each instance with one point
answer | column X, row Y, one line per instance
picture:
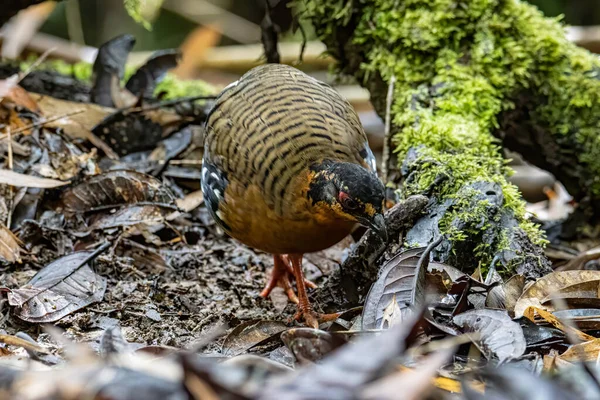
column 472, row 76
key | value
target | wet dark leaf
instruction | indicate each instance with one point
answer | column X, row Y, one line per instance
column 394, row 291
column 63, row 286
column 109, row 68
column 115, row 188
column 311, row 345
column 537, row 336
column 249, row 334
column 145, row 79
column 500, row 335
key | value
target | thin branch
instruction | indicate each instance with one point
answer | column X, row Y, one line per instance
column 386, row 139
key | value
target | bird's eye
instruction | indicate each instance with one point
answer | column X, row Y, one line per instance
column 347, row 202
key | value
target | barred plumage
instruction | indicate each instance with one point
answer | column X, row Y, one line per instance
column 287, row 170
column 276, row 121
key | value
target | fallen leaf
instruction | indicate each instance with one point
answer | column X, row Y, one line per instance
column 12, row 178
column 583, row 318
column 190, row 202
column 63, row 286
column 132, row 215
column 500, row 335
column 249, row 334
column 20, row 97
column 530, row 314
column 310, row 345
column 115, row 188
column 10, row 245
column 76, row 125
column 539, row 292
column 587, row 351
column 513, row 289
column 396, row 280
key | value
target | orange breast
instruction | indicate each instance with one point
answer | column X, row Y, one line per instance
column 303, row 228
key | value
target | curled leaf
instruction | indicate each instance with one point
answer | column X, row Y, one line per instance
column 115, row 188
column 397, row 281
column 500, row 335
column 538, row 294
column 63, row 286
column 249, row 334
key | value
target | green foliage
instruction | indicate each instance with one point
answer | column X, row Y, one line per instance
column 142, row 11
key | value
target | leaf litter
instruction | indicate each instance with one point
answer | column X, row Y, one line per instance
column 106, row 236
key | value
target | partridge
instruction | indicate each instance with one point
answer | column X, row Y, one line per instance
column 287, row 170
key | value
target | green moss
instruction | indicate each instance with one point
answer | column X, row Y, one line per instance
column 169, row 88
column 458, row 67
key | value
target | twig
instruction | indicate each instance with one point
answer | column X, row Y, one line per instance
column 385, row 160
column 35, row 64
column 168, row 103
column 44, row 122
column 10, row 152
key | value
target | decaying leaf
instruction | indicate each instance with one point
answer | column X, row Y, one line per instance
column 115, row 188
column 548, row 317
column 310, row 345
column 396, row 280
column 583, row 318
column 500, row 335
column 10, row 245
column 63, row 286
column 587, row 351
column 538, row 294
column 249, row 334
column 12, row 178
column 513, row 288
column 132, row 215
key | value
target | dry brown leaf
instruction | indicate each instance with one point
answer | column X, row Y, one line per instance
column 548, row 317
column 550, row 284
column 12, row 178
column 10, row 245
column 588, row 351
column 78, row 125
column 513, row 289
column 187, row 204
column 21, row 97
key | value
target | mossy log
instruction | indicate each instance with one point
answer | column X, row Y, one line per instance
column 470, row 77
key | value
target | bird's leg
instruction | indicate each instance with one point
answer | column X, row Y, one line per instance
column 280, row 277
column 285, row 258
column 304, row 308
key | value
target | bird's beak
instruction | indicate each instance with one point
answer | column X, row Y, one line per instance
column 377, row 223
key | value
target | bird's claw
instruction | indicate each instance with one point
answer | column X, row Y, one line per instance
column 313, row 319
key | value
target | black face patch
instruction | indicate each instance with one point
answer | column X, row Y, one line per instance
column 358, row 182
column 213, row 183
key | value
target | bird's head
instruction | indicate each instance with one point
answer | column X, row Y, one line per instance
column 349, row 192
